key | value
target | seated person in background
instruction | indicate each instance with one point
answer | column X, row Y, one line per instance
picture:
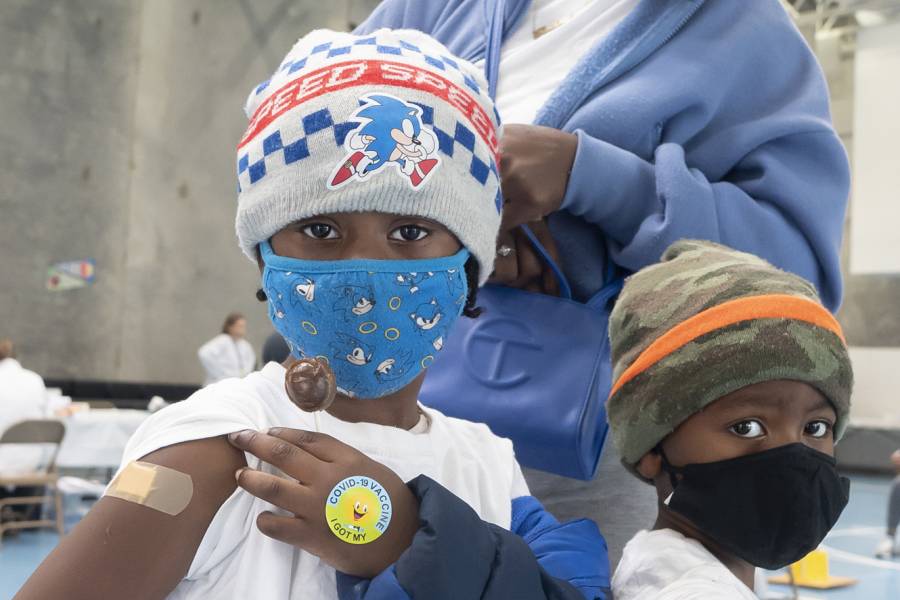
column 367, row 257
column 22, row 392
column 228, row 354
column 731, row 386
column 889, row 546
column 22, row 397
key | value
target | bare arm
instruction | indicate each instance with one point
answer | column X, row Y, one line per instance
column 125, row 550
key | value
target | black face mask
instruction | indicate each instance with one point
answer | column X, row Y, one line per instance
column 770, row 509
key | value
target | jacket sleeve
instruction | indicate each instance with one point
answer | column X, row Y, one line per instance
column 574, row 551
column 785, row 201
column 457, row 555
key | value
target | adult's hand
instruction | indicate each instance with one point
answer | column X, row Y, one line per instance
column 314, row 464
column 519, row 265
column 535, row 163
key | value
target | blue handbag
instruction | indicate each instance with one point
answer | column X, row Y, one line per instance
column 535, row 369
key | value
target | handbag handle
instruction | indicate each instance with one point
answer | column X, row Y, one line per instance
column 612, row 284
column 494, row 39
column 565, row 290
column 494, row 35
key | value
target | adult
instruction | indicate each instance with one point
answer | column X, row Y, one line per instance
column 22, row 397
column 22, row 392
column 228, row 354
column 632, row 124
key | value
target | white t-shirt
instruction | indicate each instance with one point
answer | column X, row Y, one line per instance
column 665, row 565
column 532, row 68
column 22, row 397
column 223, row 357
column 235, row 560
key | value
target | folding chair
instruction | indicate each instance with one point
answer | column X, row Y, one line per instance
column 34, row 432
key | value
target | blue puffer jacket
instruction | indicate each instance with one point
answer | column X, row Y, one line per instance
column 696, row 119
column 457, row 556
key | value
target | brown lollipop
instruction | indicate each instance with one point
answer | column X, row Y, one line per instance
column 310, row 384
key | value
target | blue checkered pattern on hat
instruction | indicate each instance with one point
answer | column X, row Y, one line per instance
column 327, row 50
column 461, row 140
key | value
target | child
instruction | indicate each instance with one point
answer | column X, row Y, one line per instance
column 369, row 196
column 888, row 547
column 732, row 384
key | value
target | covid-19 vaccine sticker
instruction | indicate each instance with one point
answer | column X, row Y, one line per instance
column 358, row 510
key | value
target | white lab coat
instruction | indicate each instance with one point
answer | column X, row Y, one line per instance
column 223, row 357
column 22, row 397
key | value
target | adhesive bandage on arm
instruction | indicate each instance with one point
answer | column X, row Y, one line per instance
column 154, row 486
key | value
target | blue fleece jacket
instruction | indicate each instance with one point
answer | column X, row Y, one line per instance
column 695, row 119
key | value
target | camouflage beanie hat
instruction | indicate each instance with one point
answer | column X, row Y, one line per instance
column 707, row 321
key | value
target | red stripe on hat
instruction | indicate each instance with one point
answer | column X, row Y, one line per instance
column 769, row 306
column 344, row 75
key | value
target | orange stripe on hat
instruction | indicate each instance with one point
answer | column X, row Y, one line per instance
column 771, row 306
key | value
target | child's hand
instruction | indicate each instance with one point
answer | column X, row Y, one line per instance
column 315, row 463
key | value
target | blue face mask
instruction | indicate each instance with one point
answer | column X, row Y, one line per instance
column 378, row 323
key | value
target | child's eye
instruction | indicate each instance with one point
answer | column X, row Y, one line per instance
column 409, row 233
column 320, row 231
column 817, row 429
column 748, row 429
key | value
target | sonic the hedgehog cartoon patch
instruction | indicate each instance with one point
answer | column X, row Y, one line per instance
column 391, row 134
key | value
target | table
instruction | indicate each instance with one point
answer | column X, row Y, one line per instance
column 97, row 438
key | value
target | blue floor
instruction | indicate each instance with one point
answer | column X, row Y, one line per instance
column 850, row 545
column 24, row 550
column 20, row 555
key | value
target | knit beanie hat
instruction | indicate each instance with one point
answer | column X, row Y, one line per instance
column 390, row 122
column 708, row 321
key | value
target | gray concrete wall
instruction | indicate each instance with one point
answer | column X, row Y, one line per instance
column 119, row 122
column 67, row 83
column 869, row 313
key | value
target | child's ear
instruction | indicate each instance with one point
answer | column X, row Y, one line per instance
column 650, row 465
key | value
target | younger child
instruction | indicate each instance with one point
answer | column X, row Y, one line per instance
column 369, row 197
column 731, row 385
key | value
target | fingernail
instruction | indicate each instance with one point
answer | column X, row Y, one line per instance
column 237, row 474
column 239, row 437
